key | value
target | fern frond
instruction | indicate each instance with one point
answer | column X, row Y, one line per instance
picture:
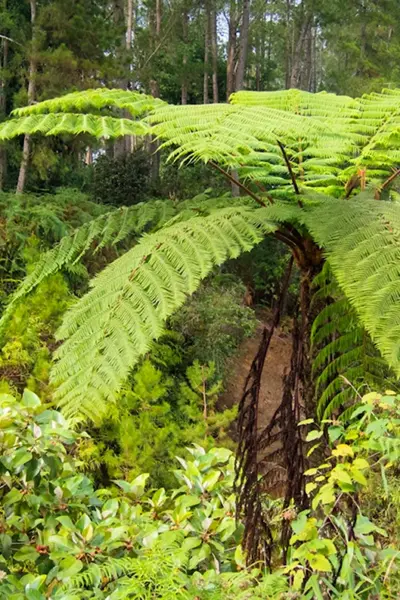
column 72, row 124
column 327, row 138
column 361, row 239
column 110, row 229
column 109, row 329
column 135, row 103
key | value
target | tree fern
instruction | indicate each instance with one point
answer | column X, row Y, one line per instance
column 113, row 325
column 324, row 139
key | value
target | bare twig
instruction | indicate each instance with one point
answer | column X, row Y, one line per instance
column 291, row 172
column 240, row 184
column 4, row 37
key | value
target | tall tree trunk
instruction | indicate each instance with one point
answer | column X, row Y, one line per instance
column 231, row 54
column 122, row 14
column 257, row 44
column 184, row 86
column 243, row 46
column 299, row 52
column 288, row 44
column 155, row 89
column 129, row 25
column 214, row 52
column 130, row 140
column 207, row 37
column 3, row 152
column 31, row 99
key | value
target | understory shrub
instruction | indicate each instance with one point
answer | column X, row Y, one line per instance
column 168, row 403
column 63, row 539
column 214, row 321
column 123, row 180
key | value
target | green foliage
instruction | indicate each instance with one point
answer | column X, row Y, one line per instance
column 62, row 537
column 214, row 321
column 336, row 537
column 94, row 100
column 362, row 248
column 164, row 407
column 345, row 357
column 28, row 342
column 109, row 230
column 123, row 180
column 132, row 298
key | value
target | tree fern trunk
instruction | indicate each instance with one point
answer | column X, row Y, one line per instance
column 264, row 455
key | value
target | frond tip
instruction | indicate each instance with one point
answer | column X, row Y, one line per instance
column 114, row 324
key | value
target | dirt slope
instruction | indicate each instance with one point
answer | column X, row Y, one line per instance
column 277, row 364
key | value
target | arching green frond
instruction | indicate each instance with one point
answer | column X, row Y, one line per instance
column 71, row 124
column 109, row 229
column 109, row 329
column 361, row 239
column 229, row 133
column 135, row 103
column 345, row 355
column 321, row 105
column 327, row 138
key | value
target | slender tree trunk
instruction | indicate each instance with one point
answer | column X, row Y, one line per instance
column 298, row 57
column 31, row 99
column 185, row 25
column 155, row 91
column 288, row 48
column 214, row 53
column 207, row 36
column 3, row 152
column 243, row 46
column 129, row 25
column 230, row 61
column 120, row 15
column 130, row 141
column 258, row 61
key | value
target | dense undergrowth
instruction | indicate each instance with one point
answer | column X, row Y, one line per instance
column 66, row 539
column 170, row 400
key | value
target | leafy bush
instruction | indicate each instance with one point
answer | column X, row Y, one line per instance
column 336, row 537
column 60, row 536
column 121, row 181
column 215, row 320
column 63, row 539
column 166, row 406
